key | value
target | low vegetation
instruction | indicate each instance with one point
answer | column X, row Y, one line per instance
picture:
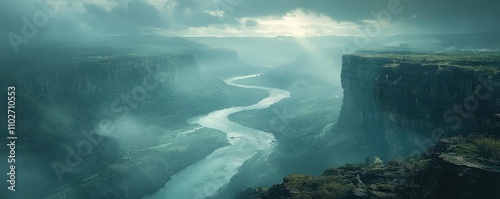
column 333, row 190
column 488, row 148
column 481, row 147
column 473, row 61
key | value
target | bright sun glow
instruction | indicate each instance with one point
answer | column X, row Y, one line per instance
column 296, row 23
column 300, row 23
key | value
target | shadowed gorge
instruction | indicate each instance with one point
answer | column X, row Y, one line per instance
column 249, row 99
column 104, row 121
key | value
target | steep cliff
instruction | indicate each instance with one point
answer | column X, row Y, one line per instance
column 404, row 102
column 111, row 126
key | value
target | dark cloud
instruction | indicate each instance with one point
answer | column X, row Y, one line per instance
column 441, row 16
column 194, row 13
column 130, row 18
column 136, row 16
column 434, row 16
column 353, row 10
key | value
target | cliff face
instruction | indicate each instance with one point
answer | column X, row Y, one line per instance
column 102, row 77
column 401, row 103
column 108, row 126
column 60, row 103
column 57, row 98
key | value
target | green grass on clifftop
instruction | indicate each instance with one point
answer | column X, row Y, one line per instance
column 481, row 61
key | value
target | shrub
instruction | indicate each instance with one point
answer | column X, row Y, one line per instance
column 487, row 147
column 394, row 163
column 333, row 190
column 465, row 148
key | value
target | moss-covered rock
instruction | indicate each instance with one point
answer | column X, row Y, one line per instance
column 440, row 173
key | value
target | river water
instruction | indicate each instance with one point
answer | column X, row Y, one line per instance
column 205, row 177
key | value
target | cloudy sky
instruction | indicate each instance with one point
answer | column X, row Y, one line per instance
column 300, row 18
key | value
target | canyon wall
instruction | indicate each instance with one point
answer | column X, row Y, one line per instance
column 108, row 126
column 400, row 103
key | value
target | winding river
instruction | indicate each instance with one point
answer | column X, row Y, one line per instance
column 206, row 177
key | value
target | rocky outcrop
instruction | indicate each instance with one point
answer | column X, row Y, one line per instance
column 455, row 168
column 400, row 103
column 367, row 180
column 460, row 167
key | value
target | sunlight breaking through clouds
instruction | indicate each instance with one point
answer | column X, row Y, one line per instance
column 302, row 23
column 296, row 23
